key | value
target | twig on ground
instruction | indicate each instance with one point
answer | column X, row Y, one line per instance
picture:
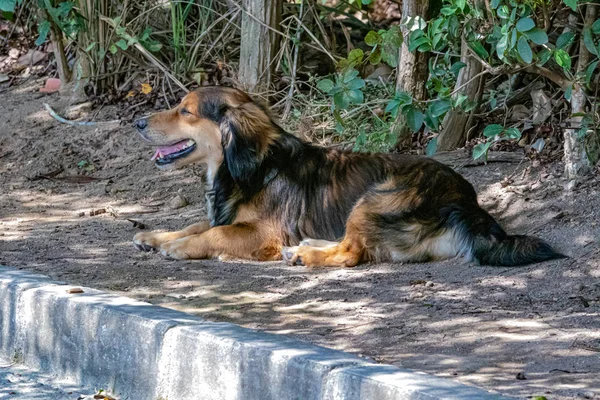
column 81, row 123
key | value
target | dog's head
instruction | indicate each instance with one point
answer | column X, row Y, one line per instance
column 211, row 124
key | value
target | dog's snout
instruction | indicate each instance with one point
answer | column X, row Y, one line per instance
column 141, row 124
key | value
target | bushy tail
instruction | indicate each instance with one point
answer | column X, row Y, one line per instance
column 486, row 242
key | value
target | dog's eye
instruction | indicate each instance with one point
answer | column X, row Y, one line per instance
column 184, row 111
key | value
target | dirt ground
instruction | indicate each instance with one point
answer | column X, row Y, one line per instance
column 480, row 325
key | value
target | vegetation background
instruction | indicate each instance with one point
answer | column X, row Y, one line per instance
column 377, row 75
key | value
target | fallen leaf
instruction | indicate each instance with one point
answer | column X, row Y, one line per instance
column 146, row 88
column 75, row 290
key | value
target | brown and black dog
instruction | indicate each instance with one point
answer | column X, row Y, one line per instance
column 272, row 196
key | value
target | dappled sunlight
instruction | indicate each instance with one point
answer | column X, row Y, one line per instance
column 478, row 324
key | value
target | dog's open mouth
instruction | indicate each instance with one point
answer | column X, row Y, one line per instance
column 168, row 154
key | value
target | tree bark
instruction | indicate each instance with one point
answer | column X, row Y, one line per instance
column 56, row 36
column 576, row 159
column 412, row 69
column 258, row 43
column 456, row 123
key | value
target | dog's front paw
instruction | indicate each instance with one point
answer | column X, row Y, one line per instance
column 176, row 249
column 147, row 241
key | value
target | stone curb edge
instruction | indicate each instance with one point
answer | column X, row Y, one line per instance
column 145, row 352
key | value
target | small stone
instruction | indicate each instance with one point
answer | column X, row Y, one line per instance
column 429, row 284
column 521, row 376
column 571, row 185
column 178, row 202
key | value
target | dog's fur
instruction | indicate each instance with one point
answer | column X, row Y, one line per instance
column 272, row 195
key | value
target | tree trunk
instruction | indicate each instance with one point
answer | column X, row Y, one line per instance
column 56, row 36
column 412, row 70
column 258, row 43
column 456, row 123
column 576, row 159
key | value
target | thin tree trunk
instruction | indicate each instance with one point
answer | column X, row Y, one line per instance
column 576, row 159
column 258, row 43
column 456, row 123
column 64, row 73
column 412, row 70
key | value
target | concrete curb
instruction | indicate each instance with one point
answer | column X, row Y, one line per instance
column 144, row 352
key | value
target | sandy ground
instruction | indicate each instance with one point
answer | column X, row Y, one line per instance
column 480, row 325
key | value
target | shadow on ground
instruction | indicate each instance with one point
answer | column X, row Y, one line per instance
column 480, row 325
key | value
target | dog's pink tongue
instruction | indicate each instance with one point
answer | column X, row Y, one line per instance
column 166, row 150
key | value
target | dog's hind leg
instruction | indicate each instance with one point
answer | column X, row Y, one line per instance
column 387, row 224
column 147, row 241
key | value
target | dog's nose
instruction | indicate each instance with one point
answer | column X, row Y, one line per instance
column 141, row 124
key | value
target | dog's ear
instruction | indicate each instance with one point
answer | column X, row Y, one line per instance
column 247, row 134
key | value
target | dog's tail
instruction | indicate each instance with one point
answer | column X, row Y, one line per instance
column 483, row 240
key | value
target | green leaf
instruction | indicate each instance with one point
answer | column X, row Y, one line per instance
column 373, row 38
column 492, row 130
column 356, row 84
column 122, row 44
column 568, row 93
column 571, row 3
column 113, row 49
column 588, row 41
column 495, row 4
column 414, row 119
column 596, row 27
column 153, row 46
column 481, row 149
column 356, row 96
column 390, row 59
column 513, row 133
column 43, row 29
column 537, row 36
column 392, row 107
column 513, row 38
column 565, row 40
column 479, row 49
column 457, row 66
column 503, row 12
column 440, row 107
column 590, row 70
column 544, row 56
column 355, row 56
column 524, row 50
column 525, row 24
column 403, row 97
column 349, row 75
column 460, row 4
column 375, row 56
column 460, row 99
column 501, row 47
column 563, row 59
column 325, row 85
column 431, row 147
column 412, row 46
column 8, row 5
column 341, row 101
column 448, row 10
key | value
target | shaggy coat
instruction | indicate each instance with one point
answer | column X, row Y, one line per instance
column 273, row 196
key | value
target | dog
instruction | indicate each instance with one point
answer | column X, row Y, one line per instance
column 272, row 196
